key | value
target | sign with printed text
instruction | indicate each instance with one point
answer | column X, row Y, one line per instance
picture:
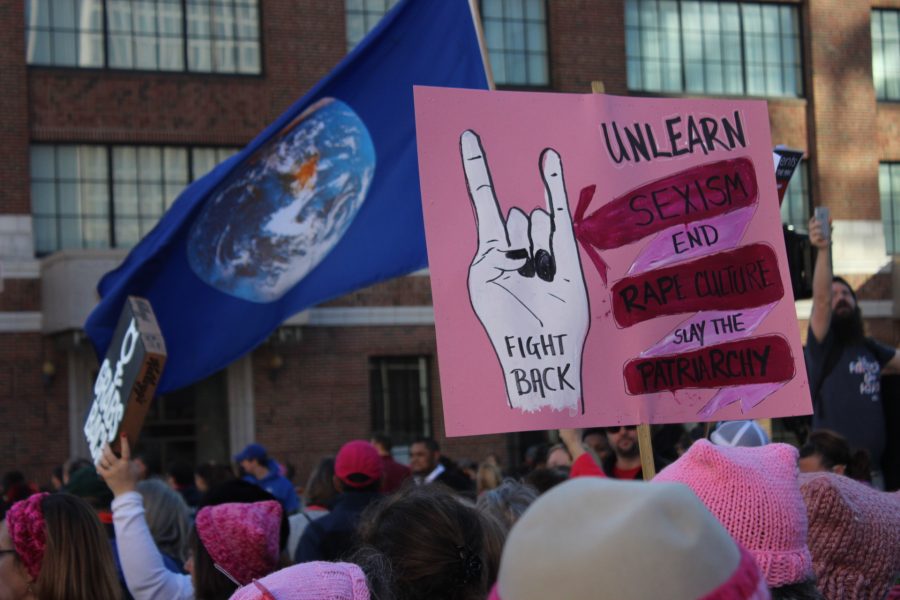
column 127, row 379
column 786, row 162
column 599, row 260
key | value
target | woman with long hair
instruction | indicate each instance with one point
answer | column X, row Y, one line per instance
column 53, row 546
column 230, row 545
column 318, row 496
column 169, row 520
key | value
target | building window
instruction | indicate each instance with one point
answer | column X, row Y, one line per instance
column 108, row 196
column 64, row 32
column 889, row 188
column 145, row 35
column 223, row 36
column 146, row 180
column 515, row 32
column 795, row 209
column 516, row 35
column 886, row 53
column 203, row 160
column 213, row 36
column 362, row 16
column 401, row 397
column 693, row 46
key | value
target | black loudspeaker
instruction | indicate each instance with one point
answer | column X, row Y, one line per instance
column 800, row 262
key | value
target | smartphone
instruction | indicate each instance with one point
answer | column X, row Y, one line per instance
column 821, row 214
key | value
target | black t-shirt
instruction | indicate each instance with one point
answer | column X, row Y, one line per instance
column 850, row 397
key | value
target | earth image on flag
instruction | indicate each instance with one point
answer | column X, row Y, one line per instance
column 279, row 214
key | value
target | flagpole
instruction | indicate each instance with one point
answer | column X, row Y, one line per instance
column 479, row 31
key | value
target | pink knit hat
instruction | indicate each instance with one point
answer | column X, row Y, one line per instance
column 854, row 535
column 28, row 532
column 309, row 581
column 242, row 538
column 755, row 494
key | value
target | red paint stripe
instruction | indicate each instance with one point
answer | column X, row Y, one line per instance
column 765, row 359
column 745, row 277
column 698, row 193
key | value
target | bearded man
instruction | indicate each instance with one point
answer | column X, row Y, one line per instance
column 844, row 366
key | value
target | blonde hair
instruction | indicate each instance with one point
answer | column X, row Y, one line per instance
column 489, row 476
column 78, row 562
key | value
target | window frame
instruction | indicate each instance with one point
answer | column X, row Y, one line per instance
column 113, row 235
column 185, row 69
column 364, row 12
column 890, row 222
column 548, row 66
column 886, row 97
column 801, row 81
column 382, row 364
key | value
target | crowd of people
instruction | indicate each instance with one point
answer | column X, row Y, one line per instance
column 728, row 515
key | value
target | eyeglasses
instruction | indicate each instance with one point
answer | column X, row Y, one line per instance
column 619, row 428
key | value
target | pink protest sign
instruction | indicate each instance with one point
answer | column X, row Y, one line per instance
column 599, row 260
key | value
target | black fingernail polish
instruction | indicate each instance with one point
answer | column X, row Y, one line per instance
column 544, row 265
column 517, row 254
column 527, row 270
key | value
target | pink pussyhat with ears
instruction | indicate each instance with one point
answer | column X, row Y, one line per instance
column 28, row 532
column 309, row 581
column 242, row 538
column 755, row 494
column 854, row 536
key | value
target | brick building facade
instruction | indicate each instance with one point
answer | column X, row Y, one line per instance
column 312, row 385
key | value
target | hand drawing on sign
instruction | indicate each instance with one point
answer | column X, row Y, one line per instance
column 527, row 287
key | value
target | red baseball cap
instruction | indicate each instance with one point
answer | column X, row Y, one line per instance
column 358, row 464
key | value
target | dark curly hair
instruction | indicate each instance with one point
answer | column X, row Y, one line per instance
column 424, row 542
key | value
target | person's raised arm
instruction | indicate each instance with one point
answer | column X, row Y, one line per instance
column 571, row 438
column 820, row 319
column 142, row 565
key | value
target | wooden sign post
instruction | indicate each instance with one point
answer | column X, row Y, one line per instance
column 645, row 443
column 648, row 467
column 127, row 379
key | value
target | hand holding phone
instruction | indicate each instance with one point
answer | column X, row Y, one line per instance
column 822, row 216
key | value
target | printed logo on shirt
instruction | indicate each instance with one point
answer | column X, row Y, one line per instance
column 871, row 372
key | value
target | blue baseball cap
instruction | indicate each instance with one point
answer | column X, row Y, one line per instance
column 251, row 452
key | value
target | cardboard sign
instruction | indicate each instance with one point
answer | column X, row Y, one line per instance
column 127, row 379
column 598, row 260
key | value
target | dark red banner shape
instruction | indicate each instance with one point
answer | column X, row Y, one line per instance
column 699, row 193
column 764, row 359
column 745, row 277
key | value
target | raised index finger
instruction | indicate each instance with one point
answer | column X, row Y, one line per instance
column 557, row 202
column 481, row 190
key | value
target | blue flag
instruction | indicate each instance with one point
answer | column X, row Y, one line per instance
column 323, row 202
